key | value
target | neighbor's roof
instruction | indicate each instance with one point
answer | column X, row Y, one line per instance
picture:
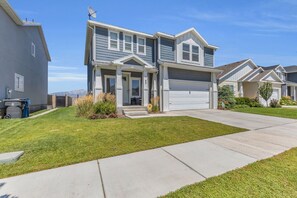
column 261, row 75
column 156, row 35
column 12, row 14
column 229, row 67
column 291, row 69
column 269, row 67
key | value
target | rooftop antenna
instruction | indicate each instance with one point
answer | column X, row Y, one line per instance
column 92, row 13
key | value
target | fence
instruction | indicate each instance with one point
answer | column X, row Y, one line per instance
column 59, row 101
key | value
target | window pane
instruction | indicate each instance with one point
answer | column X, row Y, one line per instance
column 195, row 49
column 195, row 57
column 128, row 47
column 128, row 39
column 186, row 56
column 141, row 49
column 135, row 88
column 186, row 47
column 110, row 85
column 141, row 41
column 114, row 44
column 113, row 36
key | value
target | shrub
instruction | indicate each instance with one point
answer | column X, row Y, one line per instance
column 287, row 100
column 104, row 108
column 241, row 107
column 226, row 97
column 274, row 103
column 84, row 106
column 154, row 106
column 243, row 101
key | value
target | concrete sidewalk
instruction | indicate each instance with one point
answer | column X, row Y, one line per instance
column 156, row 172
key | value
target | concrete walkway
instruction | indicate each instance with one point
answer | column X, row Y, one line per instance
column 156, row 172
column 41, row 114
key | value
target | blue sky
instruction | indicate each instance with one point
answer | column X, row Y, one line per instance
column 265, row 31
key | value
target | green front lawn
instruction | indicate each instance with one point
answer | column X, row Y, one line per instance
column 277, row 112
column 59, row 138
column 274, row 177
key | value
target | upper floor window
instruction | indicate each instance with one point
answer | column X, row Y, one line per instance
column 114, row 40
column 190, row 52
column 195, row 53
column 19, row 82
column 128, row 43
column 141, row 43
column 33, row 49
column 186, row 51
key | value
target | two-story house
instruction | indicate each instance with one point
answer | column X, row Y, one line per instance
column 24, row 59
column 137, row 66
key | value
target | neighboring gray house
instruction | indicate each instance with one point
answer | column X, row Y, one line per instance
column 291, row 81
column 136, row 66
column 24, row 59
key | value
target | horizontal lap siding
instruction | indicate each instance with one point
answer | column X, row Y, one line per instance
column 104, row 54
column 208, row 57
column 181, row 74
column 167, row 49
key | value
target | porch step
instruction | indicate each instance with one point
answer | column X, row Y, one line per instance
column 135, row 111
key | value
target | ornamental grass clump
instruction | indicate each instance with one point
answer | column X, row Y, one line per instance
column 154, row 106
column 84, row 106
column 105, row 107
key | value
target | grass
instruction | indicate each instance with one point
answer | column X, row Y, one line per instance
column 59, row 138
column 276, row 112
column 38, row 112
column 274, row 177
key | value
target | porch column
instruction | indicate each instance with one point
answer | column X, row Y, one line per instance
column 240, row 85
column 165, row 89
column 145, row 89
column 154, row 90
column 98, row 83
column 119, row 87
column 214, row 91
column 293, row 94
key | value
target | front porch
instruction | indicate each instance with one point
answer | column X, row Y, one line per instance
column 133, row 85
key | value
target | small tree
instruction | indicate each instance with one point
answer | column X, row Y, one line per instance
column 266, row 91
column 226, row 97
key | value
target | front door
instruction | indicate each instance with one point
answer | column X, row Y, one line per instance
column 126, row 89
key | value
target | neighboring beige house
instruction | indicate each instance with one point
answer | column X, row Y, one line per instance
column 244, row 78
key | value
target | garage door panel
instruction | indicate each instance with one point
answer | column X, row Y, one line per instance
column 188, row 95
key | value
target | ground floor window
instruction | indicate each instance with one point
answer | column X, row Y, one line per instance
column 135, row 85
column 110, row 84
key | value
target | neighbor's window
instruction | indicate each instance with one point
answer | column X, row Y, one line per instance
column 186, row 51
column 135, row 87
column 18, row 82
column 33, row 49
column 128, row 43
column 110, row 84
column 114, row 40
column 140, row 45
column 195, row 53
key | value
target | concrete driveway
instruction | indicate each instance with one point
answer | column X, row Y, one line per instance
column 158, row 171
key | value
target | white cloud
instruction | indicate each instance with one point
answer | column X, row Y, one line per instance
column 62, row 77
column 53, row 67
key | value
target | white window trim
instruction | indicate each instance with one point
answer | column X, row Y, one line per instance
column 139, row 37
column 105, row 82
column 118, row 40
column 33, row 50
column 22, row 88
column 191, row 53
column 124, row 43
column 140, row 90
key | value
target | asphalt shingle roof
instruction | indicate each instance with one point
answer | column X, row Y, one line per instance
column 229, row 67
column 292, row 68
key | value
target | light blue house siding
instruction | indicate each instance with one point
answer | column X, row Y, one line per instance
column 167, row 49
column 292, row 77
column 208, row 57
column 104, row 54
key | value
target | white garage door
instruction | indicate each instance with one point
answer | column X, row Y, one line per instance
column 188, row 95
